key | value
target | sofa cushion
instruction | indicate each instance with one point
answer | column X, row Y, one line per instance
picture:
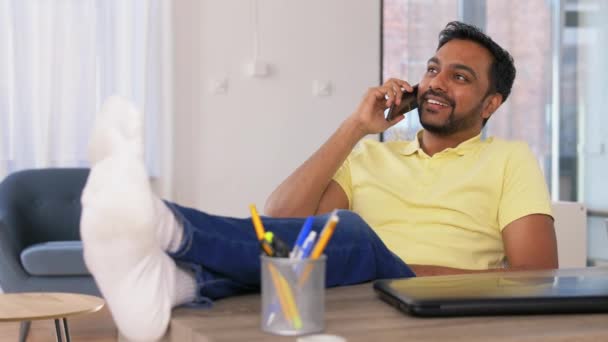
column 56, row 258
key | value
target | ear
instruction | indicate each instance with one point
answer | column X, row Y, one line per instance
column 492, row 103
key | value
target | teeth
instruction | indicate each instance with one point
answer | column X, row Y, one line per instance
column 436, row 102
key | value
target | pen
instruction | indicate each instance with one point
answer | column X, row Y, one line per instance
column 257, row 222
column 267, row 248
column 306, row 250
column 291, row 303
column 259, row 228
column 286, row 300
column 326, row 234
column 297, row 247
column 278, row 286
column 275, row 247
column 308, row 244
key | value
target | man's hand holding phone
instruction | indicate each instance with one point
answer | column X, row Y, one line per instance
column 370, row 115
column 403, row 102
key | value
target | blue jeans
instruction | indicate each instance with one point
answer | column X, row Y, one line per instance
column 224, row 252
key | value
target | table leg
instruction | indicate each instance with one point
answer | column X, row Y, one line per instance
column 24, row 330
column 66, row 330
column 58, row 331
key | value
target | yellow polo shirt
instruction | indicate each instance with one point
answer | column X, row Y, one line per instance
column 449, row 209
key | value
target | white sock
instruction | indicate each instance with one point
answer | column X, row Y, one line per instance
column 120, row 215
column 169, row 230
column 185, row 286
column 119, row 129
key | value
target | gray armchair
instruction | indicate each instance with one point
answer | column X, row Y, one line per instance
column 40, row 247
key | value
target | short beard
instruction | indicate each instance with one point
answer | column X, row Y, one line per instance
column 452, row 125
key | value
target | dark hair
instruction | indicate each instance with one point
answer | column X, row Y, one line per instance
column 502, row 71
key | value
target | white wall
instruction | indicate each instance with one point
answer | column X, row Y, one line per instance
column 233, row 149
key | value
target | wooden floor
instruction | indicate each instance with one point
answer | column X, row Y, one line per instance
column 95, row 327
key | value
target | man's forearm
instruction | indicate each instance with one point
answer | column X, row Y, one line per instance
column 300, row 193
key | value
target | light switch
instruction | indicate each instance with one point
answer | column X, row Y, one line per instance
column 257, row 69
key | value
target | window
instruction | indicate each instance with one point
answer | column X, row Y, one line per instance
column 59, row 61
column 558, row 98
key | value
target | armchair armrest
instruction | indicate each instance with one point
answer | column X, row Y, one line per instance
column 11, row 270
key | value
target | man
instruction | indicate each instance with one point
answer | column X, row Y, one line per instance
column 491, row 193
column 445, row 203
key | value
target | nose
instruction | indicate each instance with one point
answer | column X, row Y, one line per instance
column 438, row 82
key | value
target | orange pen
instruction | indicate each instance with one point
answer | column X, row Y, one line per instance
column 326, row 234
column 281, row 293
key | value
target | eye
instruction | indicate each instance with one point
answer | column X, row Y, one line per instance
column 461, row 77
column 431, row 70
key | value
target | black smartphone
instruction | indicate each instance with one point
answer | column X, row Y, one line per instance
column 409, row 101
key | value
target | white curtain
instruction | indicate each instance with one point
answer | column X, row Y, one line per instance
column 59, row 60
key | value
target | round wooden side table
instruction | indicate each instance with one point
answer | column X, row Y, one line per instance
column 31, row 306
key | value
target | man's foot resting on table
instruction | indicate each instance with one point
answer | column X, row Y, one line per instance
column 126, row 229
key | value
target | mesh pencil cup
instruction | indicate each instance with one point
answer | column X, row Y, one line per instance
column 293, row 295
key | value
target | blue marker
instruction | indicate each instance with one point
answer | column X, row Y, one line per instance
column 297, row 247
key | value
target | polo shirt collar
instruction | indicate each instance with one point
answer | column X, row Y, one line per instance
column 413, row 146
column 465, row 146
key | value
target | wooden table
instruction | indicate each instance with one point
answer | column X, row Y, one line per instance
column 30, row 306
column 356, row 313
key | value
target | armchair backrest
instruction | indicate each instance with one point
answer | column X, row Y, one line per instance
column 42, row 204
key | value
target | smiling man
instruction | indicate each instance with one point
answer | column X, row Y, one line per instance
column 446, row 202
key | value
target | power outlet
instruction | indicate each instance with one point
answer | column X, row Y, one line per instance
column 321, row 88
column 218, row 86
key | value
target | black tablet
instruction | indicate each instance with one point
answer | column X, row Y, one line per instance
column 581, row 290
